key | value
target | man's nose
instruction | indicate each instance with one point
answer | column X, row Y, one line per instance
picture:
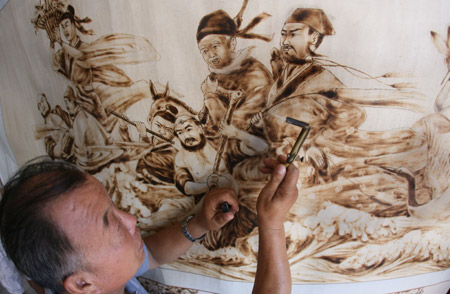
column 129, row 221
column 162, row 131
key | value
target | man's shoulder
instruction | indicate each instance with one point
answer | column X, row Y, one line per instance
column 253, row 64
column 250, row 70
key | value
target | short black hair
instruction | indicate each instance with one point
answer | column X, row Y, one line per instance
column 36, row 245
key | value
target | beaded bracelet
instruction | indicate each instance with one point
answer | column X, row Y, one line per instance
column 186, row 233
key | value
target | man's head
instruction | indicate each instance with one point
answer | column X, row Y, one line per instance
column 190, row 133
column 217, row 50
column 43, row 105
column 303, row 32
column 29, row 236
column 216, row 38
column 70, row 100
column 67, row 24
column 163, row 123
column 60, row 228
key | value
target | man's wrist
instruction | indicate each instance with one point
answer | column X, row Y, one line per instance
column 270, row 225
column 190, row 230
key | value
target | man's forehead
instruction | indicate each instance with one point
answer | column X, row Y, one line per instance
column 292, row 26
column 210, row 39
column 182, row 125
column 65, row 21
column 160, row 119
column 89, row 192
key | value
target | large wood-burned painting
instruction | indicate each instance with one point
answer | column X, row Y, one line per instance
column 373, row 203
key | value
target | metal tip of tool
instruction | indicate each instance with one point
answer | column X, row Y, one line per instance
column 225, row 207
column 297, row 122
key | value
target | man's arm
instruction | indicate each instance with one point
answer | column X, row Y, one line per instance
column 170, row 243
column 249, row 143
column 273, row 274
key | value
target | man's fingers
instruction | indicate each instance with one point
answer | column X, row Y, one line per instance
column 274, row 182
column 270, row 163
column 282, row 158
column 265, row 170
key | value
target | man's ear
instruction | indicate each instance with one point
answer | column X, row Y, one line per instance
column 314, row 38
column 79, row 283
column 233, row 43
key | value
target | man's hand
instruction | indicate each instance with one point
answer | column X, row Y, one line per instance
column 256, row 120
column 273, row 274
column 228, row 130
column 170, row 243
column 279, row 194
column 211, row 217
column 316, row 156
column 140, row 127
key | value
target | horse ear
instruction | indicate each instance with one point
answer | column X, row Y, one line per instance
column 153, row 90
column 166, row 92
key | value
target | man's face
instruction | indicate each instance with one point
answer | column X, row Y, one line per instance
column 295, row 42
column 111, row 245
column 68, row 28
column 163, row 127
column 216, row 50
column 71, row 106
column 190, row 134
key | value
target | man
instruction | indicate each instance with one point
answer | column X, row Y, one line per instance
column 60, row 228
column 307, row 91
column 156, row 166
column 194, row 162
column 55, row 130
column 88, row 133
column 196, row 165
column 198, row 170
column 231, row 70
column 301, row 36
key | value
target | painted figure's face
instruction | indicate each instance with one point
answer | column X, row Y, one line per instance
column 111, row 244
column 43, row 106
column 71, row 106
column 217, row 50
column 69, row 30
column 190, row 134
column 163, row 127
column 295, row 42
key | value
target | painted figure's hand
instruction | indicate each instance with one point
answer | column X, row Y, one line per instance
column 211, row 216
column 279, row 194
column 140, row 127
column 57, row 36
column 221, row 181
column 276, row 62
column 209, row 86
column 52, row 37
column 256, row 120
column 228, row 130
column 316, row 156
